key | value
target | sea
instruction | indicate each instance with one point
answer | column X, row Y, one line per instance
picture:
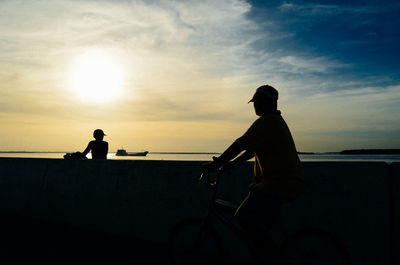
column 201, row 156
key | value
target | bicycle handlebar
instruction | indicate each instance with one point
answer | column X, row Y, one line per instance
column 206, row 177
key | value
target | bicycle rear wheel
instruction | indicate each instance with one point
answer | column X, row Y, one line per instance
column 192, row 242
column 314, row 247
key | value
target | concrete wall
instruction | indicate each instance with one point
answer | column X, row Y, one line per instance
column 354, row 201
column 395, row 205
column 349, row 199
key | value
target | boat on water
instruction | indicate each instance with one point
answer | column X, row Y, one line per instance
column 123, row 152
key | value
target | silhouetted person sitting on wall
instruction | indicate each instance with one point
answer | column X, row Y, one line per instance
column 98, row 147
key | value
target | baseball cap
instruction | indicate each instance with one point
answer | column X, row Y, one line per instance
column 99, row 132
column 266, row 92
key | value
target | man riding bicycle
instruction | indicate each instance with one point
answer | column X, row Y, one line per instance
column 277, row 171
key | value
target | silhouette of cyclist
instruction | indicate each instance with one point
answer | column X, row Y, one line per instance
column 277, row 171
column 98, row 147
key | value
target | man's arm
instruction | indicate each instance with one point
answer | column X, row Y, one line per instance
column 240, row 159
column 247, row 143
column 231, row 152
column 87, row 150
column 244, row 157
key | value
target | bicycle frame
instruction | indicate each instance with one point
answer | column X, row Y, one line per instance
column 213, row 208
column 288, row 248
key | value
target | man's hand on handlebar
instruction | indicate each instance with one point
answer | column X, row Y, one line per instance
column 209, row 167
column 215, row 165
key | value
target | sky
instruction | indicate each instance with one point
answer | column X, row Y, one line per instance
column 177, row 75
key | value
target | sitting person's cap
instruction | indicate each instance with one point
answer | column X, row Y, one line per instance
column 99, row 132
column 266, row 92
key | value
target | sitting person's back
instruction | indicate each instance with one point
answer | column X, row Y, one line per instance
column 98, row 147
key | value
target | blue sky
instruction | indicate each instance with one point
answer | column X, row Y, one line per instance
column 361, row 34
column 360, row 39
column 186, row 69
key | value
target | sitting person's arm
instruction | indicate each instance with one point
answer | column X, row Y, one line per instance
column 88, row 148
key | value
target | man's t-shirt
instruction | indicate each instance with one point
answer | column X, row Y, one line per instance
column 277, row 166
column 99, row 149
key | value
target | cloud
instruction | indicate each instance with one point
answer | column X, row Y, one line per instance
column 200, row 61
column 308, row 30
column 175, row 52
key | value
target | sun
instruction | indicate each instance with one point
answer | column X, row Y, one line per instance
column 96, row 77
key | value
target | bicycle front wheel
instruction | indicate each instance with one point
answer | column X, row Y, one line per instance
column 193, row 242
column 314, row 247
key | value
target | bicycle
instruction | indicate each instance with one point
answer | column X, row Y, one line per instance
column 195, row 241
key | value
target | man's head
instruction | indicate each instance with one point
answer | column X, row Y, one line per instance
column 265, row 99
column 98, row 134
